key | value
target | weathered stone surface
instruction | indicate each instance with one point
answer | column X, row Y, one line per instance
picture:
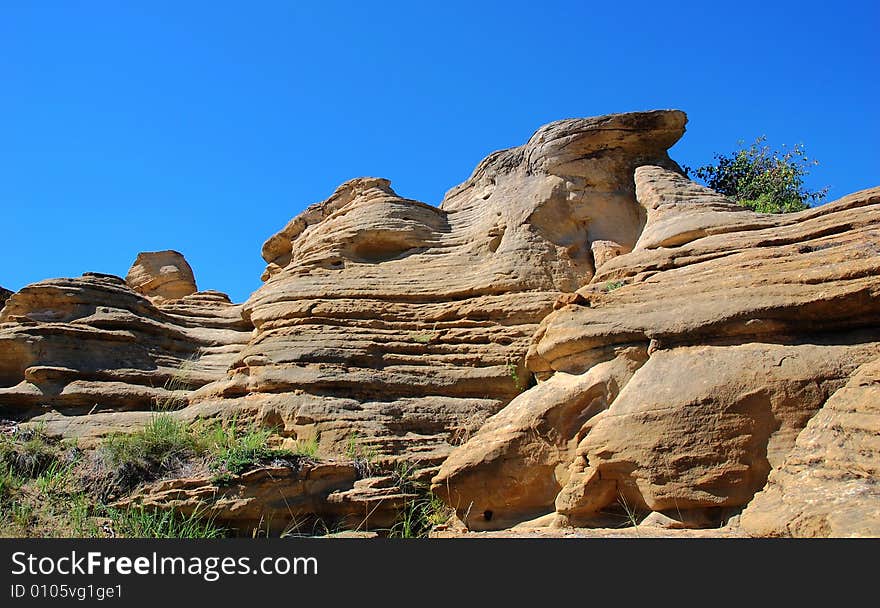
column 407, row 324
column 701, row 427
column 516, row 464
column 161, row 276
column 4, row 295
column 682, row 346
column 750, row 322
column 829, row 484
column 82, row 354
column 307, row 498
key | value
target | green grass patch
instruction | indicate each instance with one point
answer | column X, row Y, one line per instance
column 422, row 513
column 140, row 522
column 235, row 449
column 27, row 452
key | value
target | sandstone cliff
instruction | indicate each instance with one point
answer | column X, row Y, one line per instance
column 407, row 325
column 681, row 376
column 577, row 336
column 90, row 355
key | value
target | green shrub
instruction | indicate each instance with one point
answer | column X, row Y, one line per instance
column 421, row 513
column 363, row 457
column 307, row 447
column 162, row 442
column 126, row 460
column 9, row 482
column 764, row 180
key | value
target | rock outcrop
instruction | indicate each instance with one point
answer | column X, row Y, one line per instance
column 4, row 295
column 90, row 355
column 406, row 325
column 829, row 484
column 161, row 276
column 304, row 498
column 744, row 325
column 577, row 336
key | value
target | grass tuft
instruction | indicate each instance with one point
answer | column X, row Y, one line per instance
column 140, row 522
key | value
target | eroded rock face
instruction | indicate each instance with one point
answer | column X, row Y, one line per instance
column 687, row 350
column 4, row 295
column 161, row 276
column 90, row 355
column 828, row 484
column 306, row 498
column 750, row 323
column 406, row 324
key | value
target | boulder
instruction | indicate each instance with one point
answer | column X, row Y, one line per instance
column 161, row 276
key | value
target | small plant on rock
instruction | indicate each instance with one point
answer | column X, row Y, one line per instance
column 612, row 285
column 762, row 179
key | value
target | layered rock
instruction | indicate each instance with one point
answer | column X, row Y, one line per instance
column 91, row 355
column 406, row 325
column 577, row 335
column 161, row 276
column 748, row 323
column 306, row 497
column 829, row 484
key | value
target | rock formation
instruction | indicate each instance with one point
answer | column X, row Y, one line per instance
column 406, row 324
column 577, row 335
column 827, row 484
column 161, row 276
column 698, row 359
column 4, row 295
column 306, row 498
column 88, row 356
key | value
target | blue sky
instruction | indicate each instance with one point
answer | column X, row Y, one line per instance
column 205, row 126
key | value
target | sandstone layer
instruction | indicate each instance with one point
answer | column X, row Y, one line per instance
column 744, row 324
column 577, row 336
column 829, row 483
column 161, row 276
column 406, row 325
column 88, row 356
column 301, row 498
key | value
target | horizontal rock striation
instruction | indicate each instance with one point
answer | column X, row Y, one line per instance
column 302, row 498
column 406, row 325
column 829, row 483
column 744, row 325
column 88, row 355
column 578, row 335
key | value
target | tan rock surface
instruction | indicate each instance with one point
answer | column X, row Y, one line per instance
column 683, row 346
column 161, row 276
column 306, row 498
column 701, row 427
column 406, row 324
column 516, row 463
column 829, row 484
column 89, row 355
column 751, row 323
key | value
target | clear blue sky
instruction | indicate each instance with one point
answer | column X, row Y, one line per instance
column 205, row 126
